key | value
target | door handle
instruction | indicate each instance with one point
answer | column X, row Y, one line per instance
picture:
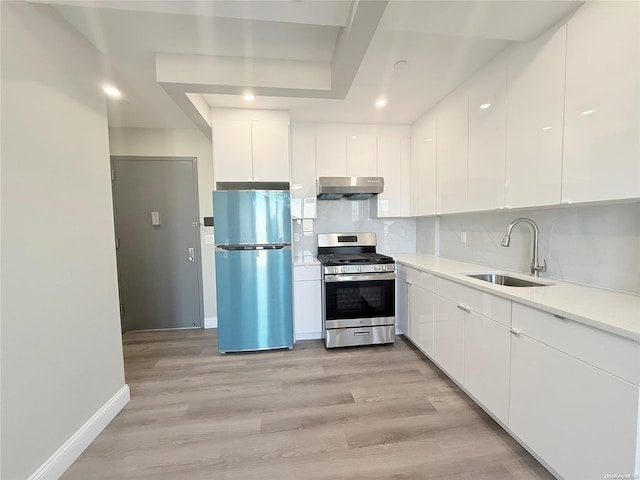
column 191, row 255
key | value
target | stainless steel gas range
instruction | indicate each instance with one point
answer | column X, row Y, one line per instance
column 358, row 290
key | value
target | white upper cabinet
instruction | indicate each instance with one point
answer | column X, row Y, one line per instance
column 394, row 165
column 602, row 117
column 361, row 155
column 535, row 92
column 331, row 151
column 303, row 171
column 423, row 166
column 452, row 153
column 232, row 151
column 487, row 137
column 250, row 145
column 270, row 149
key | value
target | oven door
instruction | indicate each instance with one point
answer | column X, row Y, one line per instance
column 359, row 300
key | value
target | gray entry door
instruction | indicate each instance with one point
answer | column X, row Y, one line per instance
column 155, row 201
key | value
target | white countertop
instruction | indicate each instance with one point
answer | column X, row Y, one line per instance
column 614, row 312
column 307, row 260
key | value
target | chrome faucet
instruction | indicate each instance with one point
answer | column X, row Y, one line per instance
column 535, row 264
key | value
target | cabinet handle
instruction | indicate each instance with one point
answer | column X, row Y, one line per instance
column 408, row 282
column 462, row 307
column 515, row 332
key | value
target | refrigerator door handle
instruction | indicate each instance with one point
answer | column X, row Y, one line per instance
column 271, row 246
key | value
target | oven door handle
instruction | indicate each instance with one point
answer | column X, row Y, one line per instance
column 361, row 277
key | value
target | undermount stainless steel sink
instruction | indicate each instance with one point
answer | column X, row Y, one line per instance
column 506, row 280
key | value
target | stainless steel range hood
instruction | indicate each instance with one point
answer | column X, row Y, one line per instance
column 353, row 188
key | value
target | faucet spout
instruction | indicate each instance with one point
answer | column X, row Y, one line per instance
column 536, row 268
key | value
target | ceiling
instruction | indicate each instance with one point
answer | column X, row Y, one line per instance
column 324, row 60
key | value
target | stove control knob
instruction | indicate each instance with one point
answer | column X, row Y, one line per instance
column 359, row 269
column 378, row 267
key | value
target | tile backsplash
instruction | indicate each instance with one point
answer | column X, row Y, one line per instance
column 592, row 245
column 394, row 235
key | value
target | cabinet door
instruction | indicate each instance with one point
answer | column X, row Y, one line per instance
column 448, row 337
column 423, row 166
column 362, row 156
column 602, row 148
column 577, row 418
column 453, row 141
column 535, row 92
column 307, row 309
column 303, row 171
column 487, row 137
column 421, row 318
column 402, row 305
column 394, row 166
column 232, row 160
column 331, row 152
column 270, row 148
column 486, row 363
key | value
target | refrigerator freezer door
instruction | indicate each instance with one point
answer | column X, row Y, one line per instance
column 251, row 217
column 254, row 299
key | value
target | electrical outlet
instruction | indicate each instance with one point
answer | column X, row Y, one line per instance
column 463, row 237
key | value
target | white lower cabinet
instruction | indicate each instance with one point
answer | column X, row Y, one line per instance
column 421, row 318
column 567, row 391
column 580, row 420
column 486, row 363
column 307, row 302
column 448, row 337
column 415, row 307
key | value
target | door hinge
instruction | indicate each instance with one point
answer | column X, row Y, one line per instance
column 117, row 243
column 113, row 175
column 121, row 309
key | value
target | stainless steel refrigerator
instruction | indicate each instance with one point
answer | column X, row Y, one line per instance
column 252, row 231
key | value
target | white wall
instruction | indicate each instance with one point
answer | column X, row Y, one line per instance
column 61, row 343
column 597, row 245
column 179, row 143
column 394, row 235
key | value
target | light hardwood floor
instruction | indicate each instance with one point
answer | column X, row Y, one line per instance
column 373, row 413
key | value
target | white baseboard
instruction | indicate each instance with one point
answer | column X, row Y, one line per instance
column 210, row 322
column 308, row 336
column 70, row 450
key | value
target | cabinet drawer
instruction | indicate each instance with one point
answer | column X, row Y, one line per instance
column 496, row 308
column 419, row 278
column 614, row 354
column 306, row 272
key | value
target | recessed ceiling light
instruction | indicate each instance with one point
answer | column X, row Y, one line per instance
column 587, row 112
column 381, row 102
column 484, row 106
column 255, row 119
column 112, row 92
column 547, row 127
column 249, row 97
column 428, row 139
